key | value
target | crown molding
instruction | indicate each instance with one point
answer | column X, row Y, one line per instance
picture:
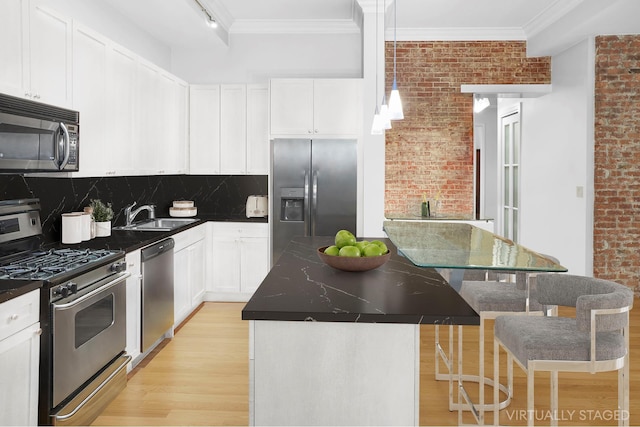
column 457, row 34
column 288, row 26
column 549, row 16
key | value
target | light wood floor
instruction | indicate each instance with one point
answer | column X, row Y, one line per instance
column 200, row 377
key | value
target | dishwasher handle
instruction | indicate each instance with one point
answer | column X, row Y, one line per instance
column 157, row 249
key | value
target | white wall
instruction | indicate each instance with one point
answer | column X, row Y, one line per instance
column 257, row 58
column 114, row 26
column 557, row 160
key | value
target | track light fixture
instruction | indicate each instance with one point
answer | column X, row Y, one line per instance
column 209, row 19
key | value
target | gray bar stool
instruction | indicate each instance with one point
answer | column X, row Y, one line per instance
column 489, row 298
column 562, row 344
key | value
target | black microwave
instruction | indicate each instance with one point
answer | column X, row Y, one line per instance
column 36, row 137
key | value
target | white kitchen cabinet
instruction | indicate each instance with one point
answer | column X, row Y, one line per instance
column 14, row 45
column 315, row 107
column 149, row 132
column 90, row 52
column 170, row 126
column 133, row 307
column 127, row 106
column 122, row 111
column 233, row 129
column 36, row 53
column 161, row 137
column 50, row 56
column 239, row 255
column 181, row 134
column 204, row 129
column 257, row 129
column 188, row 271
column 229, row 129
column 19, row 359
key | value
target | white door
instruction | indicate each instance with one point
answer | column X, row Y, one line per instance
column 510, row 174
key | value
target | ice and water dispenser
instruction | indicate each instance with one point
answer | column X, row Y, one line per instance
column 292, row 204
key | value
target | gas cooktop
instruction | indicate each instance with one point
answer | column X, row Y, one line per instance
column 44, row 265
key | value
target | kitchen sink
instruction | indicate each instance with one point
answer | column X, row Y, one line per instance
column 158, row 224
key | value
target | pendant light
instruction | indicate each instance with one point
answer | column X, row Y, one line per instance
column 384, row 113
column 395, row 104
column 378, row 124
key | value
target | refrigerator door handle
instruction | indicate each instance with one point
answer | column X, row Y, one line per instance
column 306, row 211
column 314, row 202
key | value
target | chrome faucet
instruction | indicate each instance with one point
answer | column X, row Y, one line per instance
column 131, row 215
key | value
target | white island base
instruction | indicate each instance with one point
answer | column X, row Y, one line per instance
column 333, row 373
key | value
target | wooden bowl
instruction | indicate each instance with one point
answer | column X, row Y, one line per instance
column 346, row 263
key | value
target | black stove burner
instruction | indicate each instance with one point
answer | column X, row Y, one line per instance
column 41, row 265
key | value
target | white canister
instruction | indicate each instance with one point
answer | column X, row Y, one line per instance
column 86, row 226
column 72, row 227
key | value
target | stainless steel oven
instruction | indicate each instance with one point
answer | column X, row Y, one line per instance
column 82, row 316
column 89, row 331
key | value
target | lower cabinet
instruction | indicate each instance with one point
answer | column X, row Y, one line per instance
column 19, row 359
column 134, row 308
column 188, row 271
column 239, row 254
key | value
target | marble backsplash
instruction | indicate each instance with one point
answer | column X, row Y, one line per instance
column 221, row 196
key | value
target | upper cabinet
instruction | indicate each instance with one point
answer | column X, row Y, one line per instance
column 315, row 107
column 257, row 129
column 90, row 52
column 133, row 115
column 122, row 108
column 162, row 135
column 204, row 129
column 233, row 129
column 228, row 129
column 36, row 53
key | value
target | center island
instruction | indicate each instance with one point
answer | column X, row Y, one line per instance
column 329, row 347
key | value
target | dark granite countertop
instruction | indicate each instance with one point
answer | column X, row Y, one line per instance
column 129, row 241
column 301, row 287
column 14, row 288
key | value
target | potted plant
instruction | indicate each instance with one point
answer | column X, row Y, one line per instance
column 102, row 215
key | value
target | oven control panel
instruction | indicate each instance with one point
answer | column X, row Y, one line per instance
column 64, row 290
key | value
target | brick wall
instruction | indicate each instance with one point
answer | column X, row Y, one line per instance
column 617, row 160
column 431, row 151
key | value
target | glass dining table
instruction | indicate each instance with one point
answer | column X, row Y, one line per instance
column 461, row 246
column 453, row 249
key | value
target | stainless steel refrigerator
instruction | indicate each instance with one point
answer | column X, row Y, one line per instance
column 313, row 189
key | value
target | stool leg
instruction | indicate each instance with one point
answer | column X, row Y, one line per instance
column 460, row 375
column 481, row 370
column 623, row 393
column 530, row 409
column 496, row 382
column 509, row 375
column 554, row 398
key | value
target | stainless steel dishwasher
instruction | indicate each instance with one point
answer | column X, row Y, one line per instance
column 157, row 291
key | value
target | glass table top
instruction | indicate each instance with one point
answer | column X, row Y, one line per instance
column 459, row 245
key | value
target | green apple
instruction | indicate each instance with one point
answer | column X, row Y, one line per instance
column 332, row 250
column 372, row 250
column 350, row 251
column 382, row 245
column 344, row 238
column 361, row 245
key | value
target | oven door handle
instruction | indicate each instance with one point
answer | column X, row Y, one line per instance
column 93, row 293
